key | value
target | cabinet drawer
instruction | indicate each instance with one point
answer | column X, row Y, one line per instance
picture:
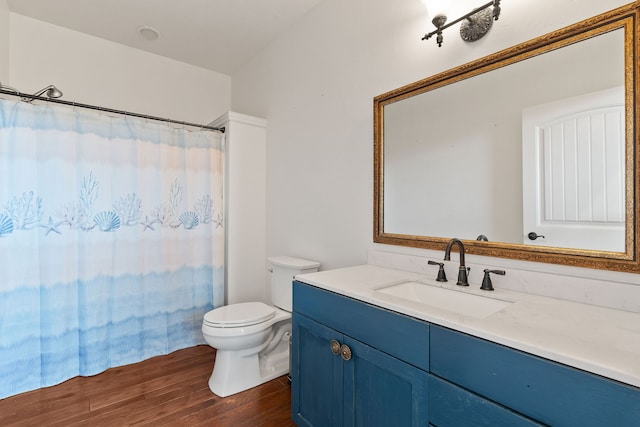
column 403, row 337
column 450, row 405
column 546, row 391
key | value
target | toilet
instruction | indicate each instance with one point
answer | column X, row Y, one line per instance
column 252, row 338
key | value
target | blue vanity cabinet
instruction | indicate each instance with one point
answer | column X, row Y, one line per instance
column 368, row 385
column 546, row 391
column 402, row 371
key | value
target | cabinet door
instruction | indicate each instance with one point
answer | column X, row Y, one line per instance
column 316, row 374
column 380, row 390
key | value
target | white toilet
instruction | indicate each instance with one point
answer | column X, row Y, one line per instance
column 252, row 338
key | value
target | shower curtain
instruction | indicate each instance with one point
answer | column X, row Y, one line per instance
column 111, row 241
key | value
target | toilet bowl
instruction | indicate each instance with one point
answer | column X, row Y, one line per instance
column 252, row 338
column 252, row 342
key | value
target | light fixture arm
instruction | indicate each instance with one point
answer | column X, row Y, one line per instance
column 439, row 23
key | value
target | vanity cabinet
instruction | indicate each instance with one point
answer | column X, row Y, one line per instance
column 401, row 371
column 549, row 392
column 345, row 367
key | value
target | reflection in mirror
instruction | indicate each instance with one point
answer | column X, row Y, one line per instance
column 472, row 169
column 530, row 148
column 573, row 163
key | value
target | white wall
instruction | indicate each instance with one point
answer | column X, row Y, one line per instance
column 94, row 71
column 4, row 41
column 315, row 86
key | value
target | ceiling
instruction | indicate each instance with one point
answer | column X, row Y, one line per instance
column 219, row 35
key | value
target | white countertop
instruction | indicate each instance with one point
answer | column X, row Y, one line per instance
column 600, row 340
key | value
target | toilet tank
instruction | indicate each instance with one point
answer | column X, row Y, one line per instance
column 282, row 270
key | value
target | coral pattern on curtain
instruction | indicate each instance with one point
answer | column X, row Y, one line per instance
column 111, row 241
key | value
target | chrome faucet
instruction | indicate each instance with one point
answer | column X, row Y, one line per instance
column 462, row 270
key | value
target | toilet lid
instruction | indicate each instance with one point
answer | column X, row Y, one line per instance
column 241, row 314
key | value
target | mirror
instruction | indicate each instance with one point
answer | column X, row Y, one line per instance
column 526, row 154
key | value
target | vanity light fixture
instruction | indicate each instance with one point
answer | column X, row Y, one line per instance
column 474, row 26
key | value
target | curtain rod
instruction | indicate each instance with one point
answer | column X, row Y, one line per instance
column 108, row 110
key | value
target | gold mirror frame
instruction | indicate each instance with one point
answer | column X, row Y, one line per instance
column 625, row 17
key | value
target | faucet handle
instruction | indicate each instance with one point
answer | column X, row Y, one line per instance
column 486, row 281
column 442, row 276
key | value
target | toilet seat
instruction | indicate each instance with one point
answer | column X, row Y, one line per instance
column 239, row 315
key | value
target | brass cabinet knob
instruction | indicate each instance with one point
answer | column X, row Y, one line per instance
column 335, row 347
column 345, row 351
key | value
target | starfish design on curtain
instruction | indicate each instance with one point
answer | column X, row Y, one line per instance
column 52, row 226
column 148, row 223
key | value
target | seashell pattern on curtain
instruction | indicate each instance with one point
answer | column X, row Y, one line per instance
column 111, row 241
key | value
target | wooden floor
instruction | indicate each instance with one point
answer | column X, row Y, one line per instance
column 167, row 390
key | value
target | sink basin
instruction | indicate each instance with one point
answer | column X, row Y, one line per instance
column 459, row 302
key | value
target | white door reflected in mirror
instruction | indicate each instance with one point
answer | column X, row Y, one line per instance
column 573, row 162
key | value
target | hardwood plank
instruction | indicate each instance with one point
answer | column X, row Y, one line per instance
column 142, row 384
column 242, row 406
column 271, row 410
column 169, row 390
